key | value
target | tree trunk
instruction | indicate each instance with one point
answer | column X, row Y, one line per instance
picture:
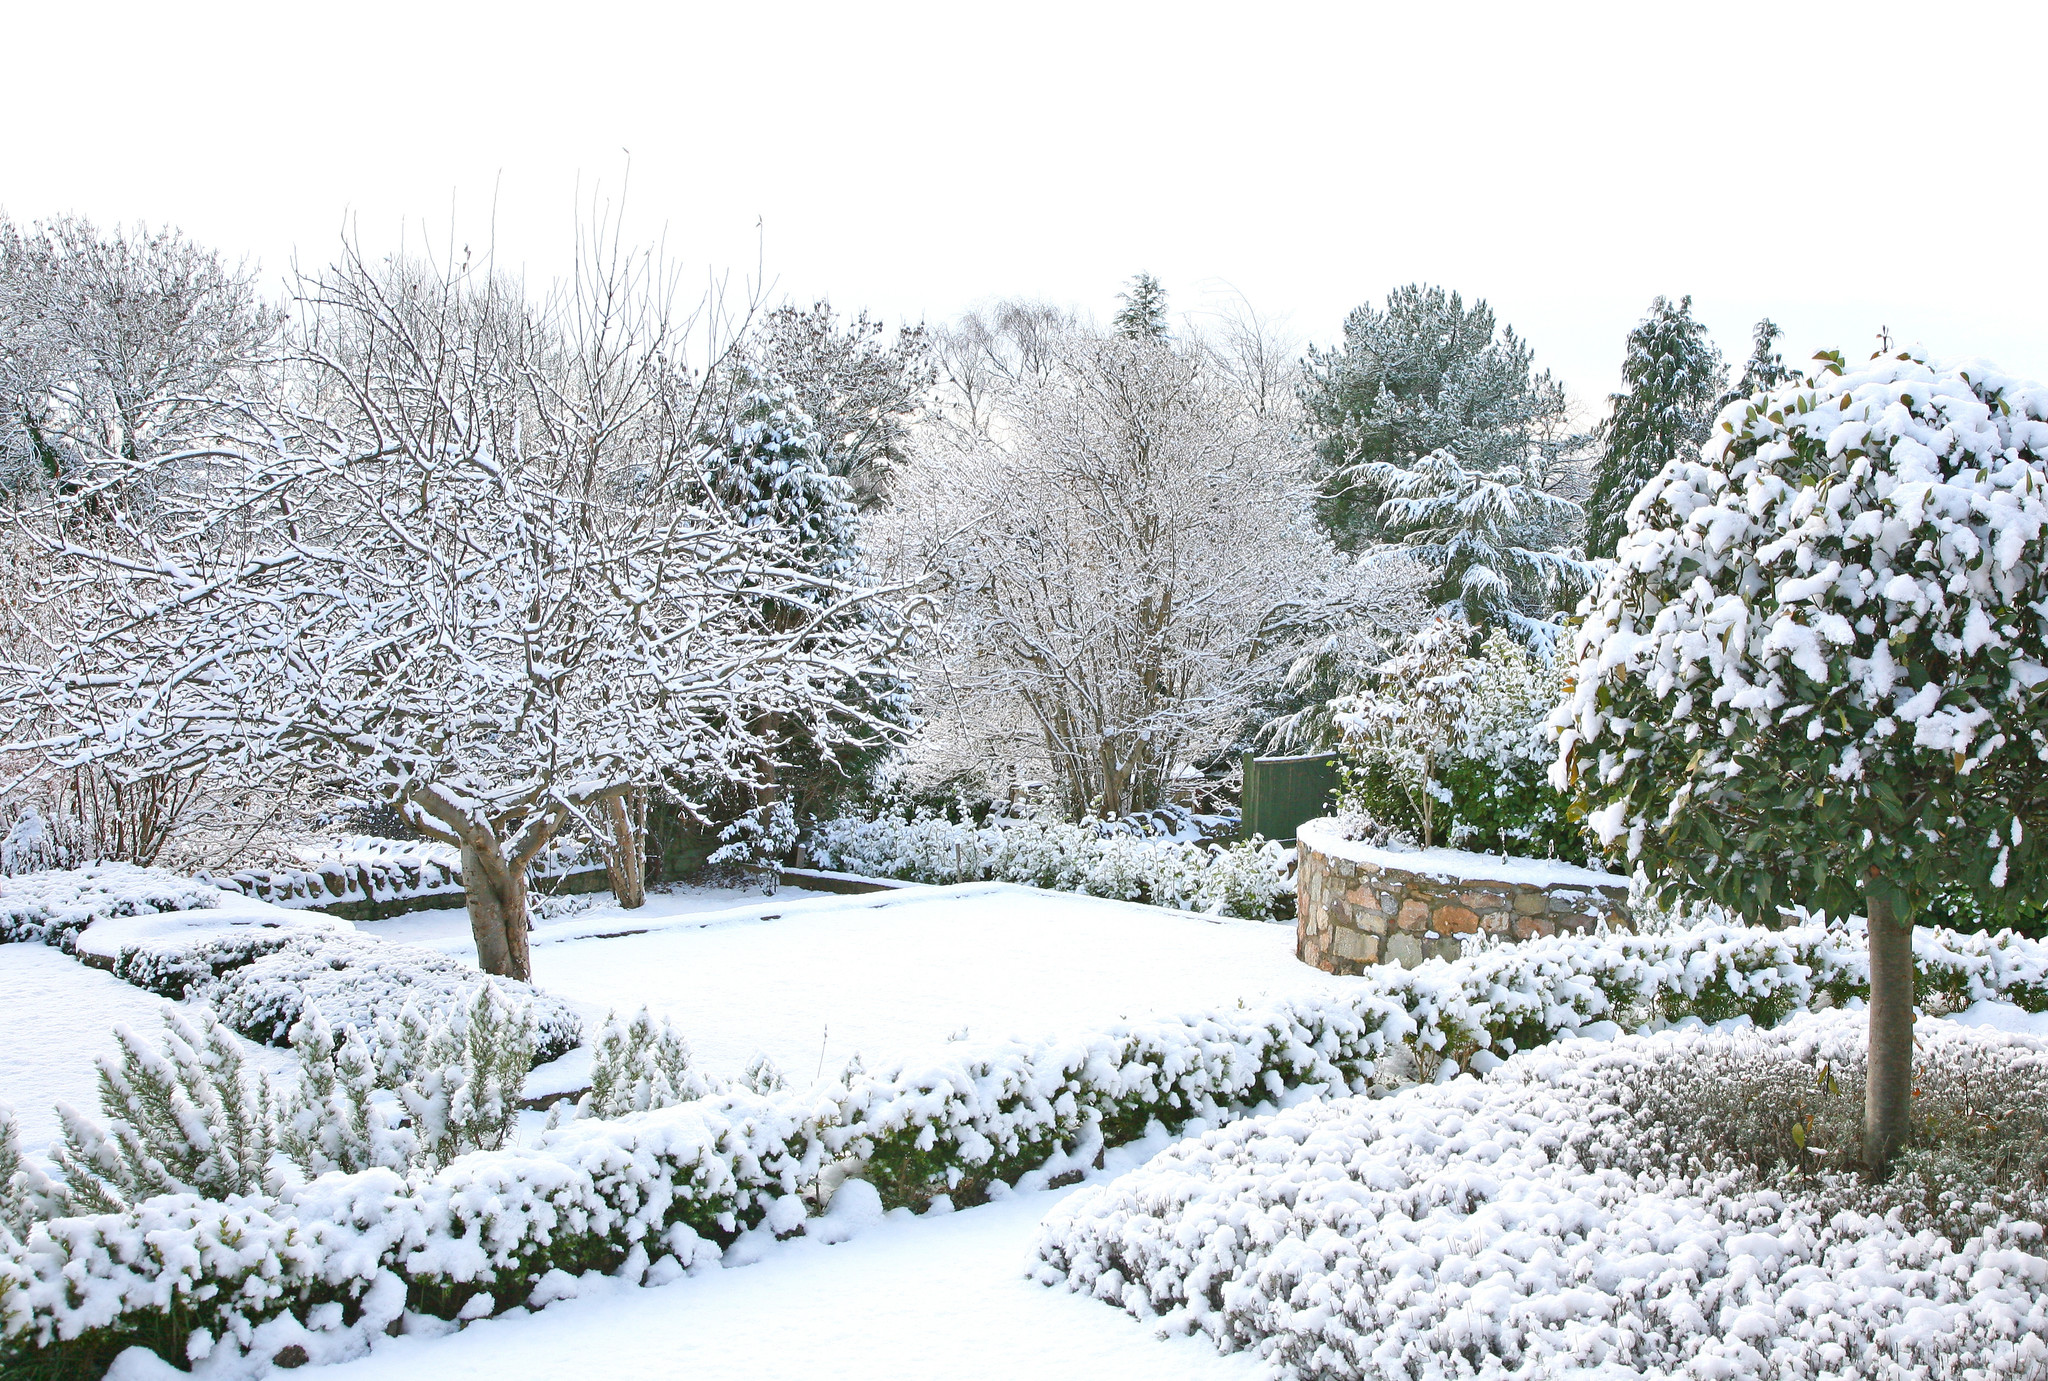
column 625, row 856
column 1888, row 1086
column 496, row 894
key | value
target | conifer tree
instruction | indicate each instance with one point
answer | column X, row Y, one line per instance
column 1143, row 315
column 1765, row 368
column 1673, row 377
column 1425, row 374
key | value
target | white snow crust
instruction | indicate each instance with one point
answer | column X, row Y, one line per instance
column 1326, row 837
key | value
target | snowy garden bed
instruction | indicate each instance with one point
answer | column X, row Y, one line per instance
column 1550, row 1222
column 325, row 1267
column 1251, row 880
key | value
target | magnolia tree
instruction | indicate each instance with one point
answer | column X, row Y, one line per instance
column 1815, row 673
column 466, row 562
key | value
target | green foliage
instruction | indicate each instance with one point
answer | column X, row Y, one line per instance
column 1424, row 374
column 1673, row 377
column 191, row 1120
column 1143, row 315
column 1448, row 746
column 1818, row 672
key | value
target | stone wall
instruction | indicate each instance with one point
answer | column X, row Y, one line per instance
column 1359, row 905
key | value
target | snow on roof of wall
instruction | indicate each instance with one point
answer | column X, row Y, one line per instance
column 1326, row 836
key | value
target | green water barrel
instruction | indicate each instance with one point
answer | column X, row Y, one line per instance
column 1281, row 793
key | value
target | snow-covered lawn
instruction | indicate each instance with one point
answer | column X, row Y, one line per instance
column 890, row 974
column 57, row 1017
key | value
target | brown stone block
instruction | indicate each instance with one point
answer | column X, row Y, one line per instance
column 1531, row 903
column 1455, row 920
column 1528, row 927
column 1414, row 916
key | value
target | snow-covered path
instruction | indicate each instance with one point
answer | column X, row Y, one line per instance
column 937, row 1298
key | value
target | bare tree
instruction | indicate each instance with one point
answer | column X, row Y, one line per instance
column 1129, row 558
column 455, row 561
column 116, row 345
column 991, row 352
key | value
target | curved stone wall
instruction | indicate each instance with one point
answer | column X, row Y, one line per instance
column 1358, row 905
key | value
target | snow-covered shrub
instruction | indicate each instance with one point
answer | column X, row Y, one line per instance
column 27, row 1195
column 262, row 982
column 52, row 907
column 191, row 1120
column 761, row 838
column 1447, row 744
column 1548, row 1224
column 363, row 868
column 638, row 1065
column 1251, row 880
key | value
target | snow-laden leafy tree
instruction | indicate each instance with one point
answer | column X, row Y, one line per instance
column 1673, row 377
column 1123, row 569
column 1500, row 547
column 1817, row 673
column 463, row 561
column 1143, row 315
column 1424, row 374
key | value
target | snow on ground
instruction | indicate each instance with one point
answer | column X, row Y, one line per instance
column 943, row 1297
column 894, row 974
column 57, row 1017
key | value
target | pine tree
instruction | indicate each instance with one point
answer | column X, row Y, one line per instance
column 1425, row 374
column 1764, row 370
column 1673, row 377
column 1143, row 315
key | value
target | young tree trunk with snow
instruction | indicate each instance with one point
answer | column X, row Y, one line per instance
column 1888, row 1084
column 625, row 847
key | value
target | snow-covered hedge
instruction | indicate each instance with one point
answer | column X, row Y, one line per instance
column 260, row 982
column 1534, row 1222
column 338, row 1259
column 52, row 907
column 359, row 869
column 1249, row 880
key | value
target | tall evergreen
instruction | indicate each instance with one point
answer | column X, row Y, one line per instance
column 1143, row 315
column 1425, row 374
column 1765, row 368
column 1673, row 378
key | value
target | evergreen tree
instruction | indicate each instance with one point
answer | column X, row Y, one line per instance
column 1425, row 374
column 1673, row 377
column 1143, row 315
column 1764, row 370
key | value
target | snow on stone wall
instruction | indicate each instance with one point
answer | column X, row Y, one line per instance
column 1360, row 904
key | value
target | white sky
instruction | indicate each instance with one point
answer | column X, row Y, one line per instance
column 1836, row 167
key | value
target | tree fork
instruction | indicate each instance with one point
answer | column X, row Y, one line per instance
column 1888, row 1083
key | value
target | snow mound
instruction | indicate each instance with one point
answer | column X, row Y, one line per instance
column 1520, row 1227
column 261, row 980
column 52, row 907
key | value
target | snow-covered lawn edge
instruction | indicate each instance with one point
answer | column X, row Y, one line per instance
column 329, row 1266
column 258, row 964
column 1531, row 1223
